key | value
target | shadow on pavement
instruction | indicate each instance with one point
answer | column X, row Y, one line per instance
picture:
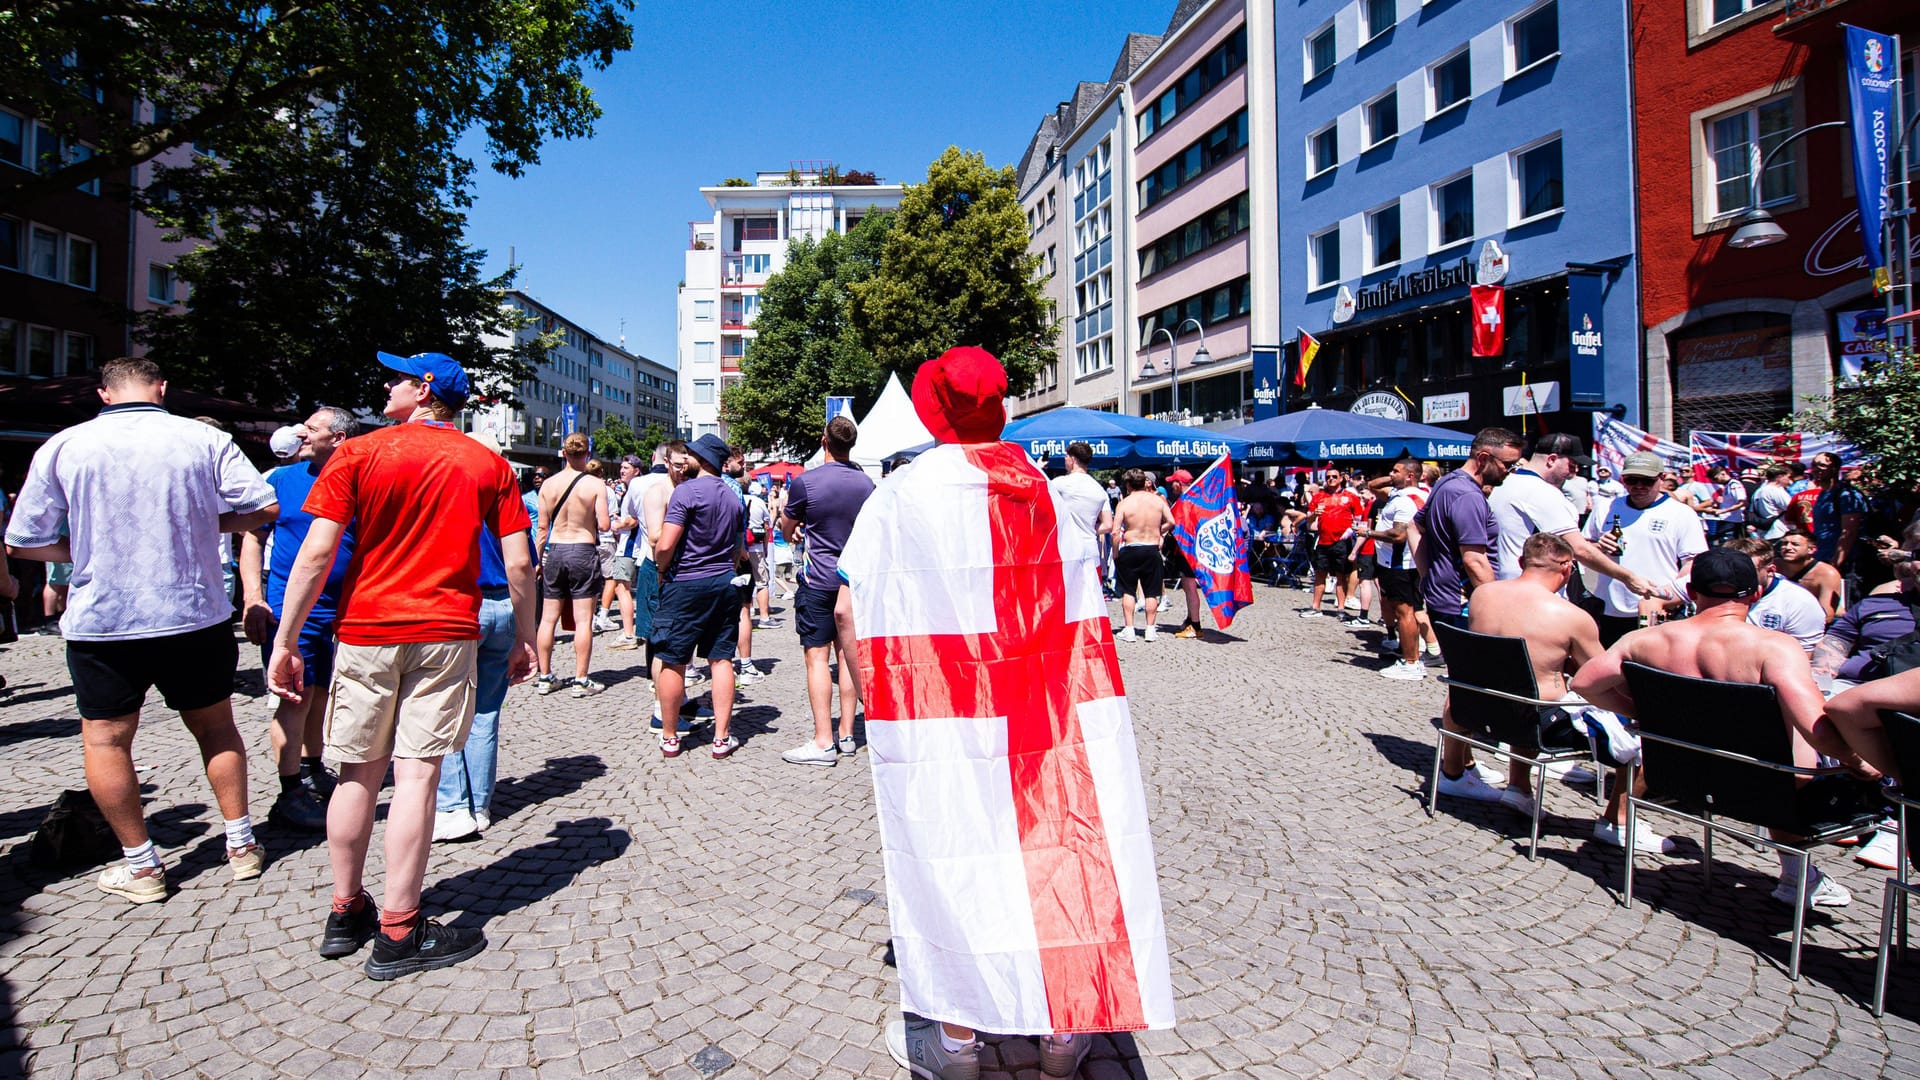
column 530, row 874
column 53, row 693
column 559, row 776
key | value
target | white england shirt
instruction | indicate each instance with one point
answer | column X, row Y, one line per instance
column 140, row 492
column 1525, row 504
column 1788, row 607
column 1659, row 538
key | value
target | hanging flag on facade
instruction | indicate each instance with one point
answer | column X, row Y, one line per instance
column 1489, row 320
column 1213, row 536
column 1872, row 71
column 1308, row 348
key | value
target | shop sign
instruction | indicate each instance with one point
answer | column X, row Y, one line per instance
column 1863, row 340
column 1586, row 338
column 1382, row 404
column 1266, row 384
column 1443, row 408
column 1419, row 283
column 1531, row 399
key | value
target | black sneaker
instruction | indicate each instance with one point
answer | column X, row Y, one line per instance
column 430, row 946
column 298, row 809
column 319, row 782
column 347, row 931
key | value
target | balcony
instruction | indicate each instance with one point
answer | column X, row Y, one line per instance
column 1814, row 20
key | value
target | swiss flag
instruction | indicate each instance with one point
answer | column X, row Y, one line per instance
column 1489, row 320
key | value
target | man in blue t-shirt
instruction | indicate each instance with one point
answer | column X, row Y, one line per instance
column 1456, row 526
column 698, row 554
column 826, row 501
column 298, row 727
column 1837, row 514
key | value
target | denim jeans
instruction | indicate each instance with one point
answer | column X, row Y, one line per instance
column 466, row 775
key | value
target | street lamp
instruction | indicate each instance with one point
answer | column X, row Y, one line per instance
column 1173, row 358
column 1757, row 227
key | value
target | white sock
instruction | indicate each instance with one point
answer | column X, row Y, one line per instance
column 952, row 1045
column 239, row 832
column 142, row 857
column 1790, row 867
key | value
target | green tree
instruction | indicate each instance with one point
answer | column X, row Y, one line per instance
column 956, row 271
column 1879, row 413
column 236, row 74
column 653, row 436
column 615, row 440
column 806, row 346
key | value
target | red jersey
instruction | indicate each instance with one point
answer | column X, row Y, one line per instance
column 1337, row 511
column 418, row 493
column 1799, row 511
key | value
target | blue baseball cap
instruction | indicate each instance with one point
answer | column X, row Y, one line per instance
column 444, row 376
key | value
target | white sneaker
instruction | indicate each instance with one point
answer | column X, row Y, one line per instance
column 1469, row 786
column 1389, row 645
column 482, row 821
column 1312, row 613
column 1152, row 634
column 1822, row 891
column 1883, row 851
column 1492, row 774
column 454, row 825
column 1353, row 604
column 1644, row 838
column 1517, row 800
column 809, row 754
column 1569, row 773
column 1404, row 671
column 1140, row 607
column 747, row 675
column 603, row 623
column 1125, row 635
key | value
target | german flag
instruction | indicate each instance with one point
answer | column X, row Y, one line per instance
column 1309, row 348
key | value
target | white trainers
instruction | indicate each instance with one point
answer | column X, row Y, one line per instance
column 545, row 684
column 747, row 675
column 1125, row 635
column 1822, row 891
column 1468, row 785
column 1152, row 634
column 807, row 753
column 585, row 688
column 1883, row 851
column 1519, row 801
column 456, row 824
column 1404, row 671
column 1644, row 838
column 1312, row 613
column 604, row 622
column 1568, row 772
column 1492, row 774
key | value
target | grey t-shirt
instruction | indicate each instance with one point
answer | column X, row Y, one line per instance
column 710, row 513
column 1456, row 514
column 826, row 500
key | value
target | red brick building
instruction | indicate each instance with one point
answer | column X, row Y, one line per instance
column 1737, row 339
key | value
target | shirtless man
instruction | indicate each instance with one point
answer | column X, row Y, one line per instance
column 1143, row 521
column 1793, row 557
column 1558, row 634
column 1719, row 643
column 573, row 514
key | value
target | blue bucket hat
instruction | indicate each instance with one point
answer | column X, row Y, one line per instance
column 444, row 376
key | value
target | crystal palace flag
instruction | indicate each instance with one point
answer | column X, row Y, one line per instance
column 1213, row 536
column 1020, row 872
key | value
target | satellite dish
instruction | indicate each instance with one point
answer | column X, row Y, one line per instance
column 1343, row 307
column 1493, row 264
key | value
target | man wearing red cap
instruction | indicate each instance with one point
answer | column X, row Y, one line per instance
column 989, row 676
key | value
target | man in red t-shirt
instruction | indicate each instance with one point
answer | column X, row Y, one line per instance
column 404, row 672
column 1333, row 512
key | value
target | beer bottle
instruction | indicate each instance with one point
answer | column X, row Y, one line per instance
column 1619, row 537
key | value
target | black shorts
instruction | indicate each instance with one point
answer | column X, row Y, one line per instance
column 571, row 571
column 813, row 615
column 1368, row 565
column 192, row 671
column 1400, row 586
column 1175, row 560
column 1334, row 558
column 697, row 615
column 1137, row 566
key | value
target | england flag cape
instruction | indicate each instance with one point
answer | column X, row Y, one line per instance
column 1020, row 873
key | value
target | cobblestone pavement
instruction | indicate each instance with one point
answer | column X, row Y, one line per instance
column 698, row 918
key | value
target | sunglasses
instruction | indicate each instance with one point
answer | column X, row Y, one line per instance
column 1633, row 480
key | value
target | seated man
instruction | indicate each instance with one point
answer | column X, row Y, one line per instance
column 1719, row 643
column 1557, row 632
column 1781, row 604
column 1883, row 615
column 1794, row 557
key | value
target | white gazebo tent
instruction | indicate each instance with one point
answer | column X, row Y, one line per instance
column 888, row 428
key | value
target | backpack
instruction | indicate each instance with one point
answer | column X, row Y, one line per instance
column 74, row 833
column 1900, row 654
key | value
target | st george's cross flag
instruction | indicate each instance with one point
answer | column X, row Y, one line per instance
column 1213, row 536
column 1020, row 870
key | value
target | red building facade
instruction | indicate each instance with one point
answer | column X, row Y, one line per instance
column 1737, row 339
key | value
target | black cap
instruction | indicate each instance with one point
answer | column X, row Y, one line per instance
column 1726, row 574
column 1564, row 445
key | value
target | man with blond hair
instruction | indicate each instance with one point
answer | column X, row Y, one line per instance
column 573, row 514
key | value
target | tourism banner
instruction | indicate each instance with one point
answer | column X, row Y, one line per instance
column 1872, row 71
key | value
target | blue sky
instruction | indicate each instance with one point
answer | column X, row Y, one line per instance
column 725, row 89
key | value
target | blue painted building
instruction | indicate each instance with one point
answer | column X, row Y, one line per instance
column 1419, row 142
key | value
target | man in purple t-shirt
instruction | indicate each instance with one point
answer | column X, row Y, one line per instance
column 825, row 500
column 1456, row 526
column 698, row 553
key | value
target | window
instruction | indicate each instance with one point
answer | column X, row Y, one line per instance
column 159, row 283
column 1383, row 236
column 703, row 310
column 703, row 352
column 757, row 264
column 1383, row 118
column 1320, row 53
column 1534, row 37
column 1216, row 226
column 1380, row 16
column 46, row 148
column 1732, row 156
column 79, row 353
column 1537, row 171
column 1450, row 82
column 11, row 257
column 1453, row 210
column 1722, row 10
column 1323, row 253
column 1216, row 305
column 703, row 391
column 76, row 153
column 43, row 255
column 9, row 346
column 749, row 307
column 1323, row 150
column 13, row 140
column 1212, row 148
column 1212, row 69
column 755, row 228
column 40, row 350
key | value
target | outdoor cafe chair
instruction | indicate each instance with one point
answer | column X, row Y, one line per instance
column 1719, row 752
column 1903, row 731
column 1495, row 698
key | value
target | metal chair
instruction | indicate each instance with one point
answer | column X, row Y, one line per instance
column 1494, row 697
column 1717, row 750
column 1903, row 731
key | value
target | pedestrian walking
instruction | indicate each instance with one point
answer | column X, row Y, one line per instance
column 573, row 514
column 698, row 554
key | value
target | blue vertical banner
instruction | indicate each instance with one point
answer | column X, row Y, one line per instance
column 569, row 419
column 1586, row 339
column 1266, row 384
column 838, row 405
column 1872, row 69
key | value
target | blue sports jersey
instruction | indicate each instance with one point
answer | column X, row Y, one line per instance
column 292, row 483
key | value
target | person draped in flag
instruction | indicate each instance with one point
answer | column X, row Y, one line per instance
column 1020, row 873
column 1212, row 534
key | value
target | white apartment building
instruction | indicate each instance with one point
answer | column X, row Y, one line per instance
column 731, row 255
